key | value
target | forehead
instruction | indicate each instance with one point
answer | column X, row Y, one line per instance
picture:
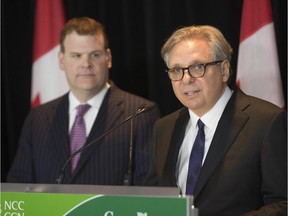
column 189, row 49
column 75, row 40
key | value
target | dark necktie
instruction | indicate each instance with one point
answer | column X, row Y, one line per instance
column 78, row 133
column 196, row 156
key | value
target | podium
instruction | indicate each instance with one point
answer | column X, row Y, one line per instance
column 93, row 200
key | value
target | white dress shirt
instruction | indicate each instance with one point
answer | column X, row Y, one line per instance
column 210, row 119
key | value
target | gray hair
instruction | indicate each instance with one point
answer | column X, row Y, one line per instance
column 220, row 48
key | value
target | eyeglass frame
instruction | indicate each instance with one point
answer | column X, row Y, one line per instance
column 204, row 65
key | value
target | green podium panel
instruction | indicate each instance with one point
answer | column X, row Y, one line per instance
column 55, row 202
column 17, row 204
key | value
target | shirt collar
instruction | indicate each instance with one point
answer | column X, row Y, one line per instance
column 211, row 118
column 95, row 101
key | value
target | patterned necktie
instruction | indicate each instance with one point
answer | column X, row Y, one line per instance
column 78, row 133
column 196, row 156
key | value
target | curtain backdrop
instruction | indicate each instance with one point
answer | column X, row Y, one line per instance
column 136, row 29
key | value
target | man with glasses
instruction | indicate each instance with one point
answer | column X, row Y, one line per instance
column 225, row 148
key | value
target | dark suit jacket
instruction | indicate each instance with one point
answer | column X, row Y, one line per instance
column 44, row 143
column 246, row 166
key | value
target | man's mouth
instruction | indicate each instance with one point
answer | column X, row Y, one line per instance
column 190, row 93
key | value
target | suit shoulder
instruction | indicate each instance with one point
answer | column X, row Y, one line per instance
column 262, row 106
column 248, row 103
column 172, row 117
column 49, row 106
column 130, row 99
column 131, row 96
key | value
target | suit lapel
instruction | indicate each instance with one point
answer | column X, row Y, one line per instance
column 229, row 126
column 58, row 119
column 177, row 138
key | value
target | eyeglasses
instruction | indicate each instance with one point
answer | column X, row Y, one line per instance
column 196, row 70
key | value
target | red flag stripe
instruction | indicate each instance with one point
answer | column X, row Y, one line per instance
column 47, row 26
column 256, row 14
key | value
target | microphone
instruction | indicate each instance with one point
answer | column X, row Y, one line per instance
column 141, row 109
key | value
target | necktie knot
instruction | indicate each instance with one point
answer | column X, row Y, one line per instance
column 82, row 109
column 200, row 124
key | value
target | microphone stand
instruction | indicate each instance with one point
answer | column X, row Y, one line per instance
column 60, row 178
column 128, row 176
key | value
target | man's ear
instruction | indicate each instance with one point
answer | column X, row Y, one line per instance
column 60, row 60
column 225, row 70
column 109, row 58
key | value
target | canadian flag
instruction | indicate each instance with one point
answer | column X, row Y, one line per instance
column 258, row 72
column 48, row 81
